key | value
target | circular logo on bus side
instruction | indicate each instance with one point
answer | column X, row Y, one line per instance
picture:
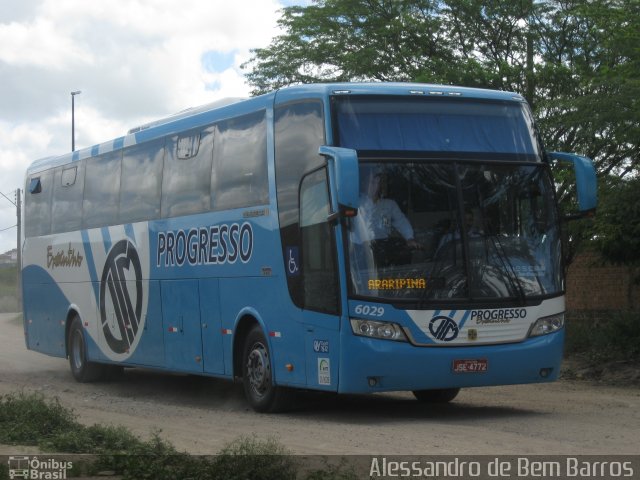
column 121, row 292
column 443, row 328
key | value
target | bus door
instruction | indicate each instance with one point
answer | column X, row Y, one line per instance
column 317, row 260
column 308, row 243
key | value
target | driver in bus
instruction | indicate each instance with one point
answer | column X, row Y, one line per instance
column 380, row 223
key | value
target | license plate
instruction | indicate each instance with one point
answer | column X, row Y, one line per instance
column 477, row 365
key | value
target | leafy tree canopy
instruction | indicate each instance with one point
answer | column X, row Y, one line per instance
column 617, row 226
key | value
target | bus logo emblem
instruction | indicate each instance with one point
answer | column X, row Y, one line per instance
column 125, row 292
column 443, row 328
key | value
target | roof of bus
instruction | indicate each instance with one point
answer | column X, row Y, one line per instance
column 220, row 110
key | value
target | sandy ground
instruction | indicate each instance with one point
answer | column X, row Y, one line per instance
column 199, row 415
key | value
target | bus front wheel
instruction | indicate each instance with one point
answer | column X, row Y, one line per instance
column 82, row 370
column 257, row 376
column 443, row 395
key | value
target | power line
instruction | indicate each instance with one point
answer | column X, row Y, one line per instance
column 8, row 228
column 12, row 202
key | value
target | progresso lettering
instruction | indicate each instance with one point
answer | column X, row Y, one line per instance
column 504, row 315
column 213, row 245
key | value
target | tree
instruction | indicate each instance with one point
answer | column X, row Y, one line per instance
column 588, row 82
column 346, row 40
column 617, row 226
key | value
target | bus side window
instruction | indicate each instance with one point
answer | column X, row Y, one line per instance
column 101, row 190
column 141, row 182
column 66, row 210
column 239, row 176
column 186, row 181
column 38, row 204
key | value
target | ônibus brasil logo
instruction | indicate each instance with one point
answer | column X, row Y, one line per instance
column 443, row 328
column 121, row 284
column 35, row 469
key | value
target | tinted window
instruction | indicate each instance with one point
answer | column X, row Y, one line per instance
column 299, row 132
column 436, row 125
column 141, row 182
column 187, row 173
column 38, row 205
column 239, row 177
column 66, row 212
column 320, row 279
column 102, row 190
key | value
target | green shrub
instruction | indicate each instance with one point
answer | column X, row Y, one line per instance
column 252, row 458
column 8, row 289
column 606, row 337
column 28, row 419
column 342, row 471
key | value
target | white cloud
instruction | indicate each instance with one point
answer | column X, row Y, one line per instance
column 39, row 44
column 134, row 60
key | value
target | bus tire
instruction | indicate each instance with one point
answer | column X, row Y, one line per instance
column 83, row 370
column 442, row 395
column 257, row 376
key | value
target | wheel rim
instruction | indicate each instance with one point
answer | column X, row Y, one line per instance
column 259, row 370
column 77, row 354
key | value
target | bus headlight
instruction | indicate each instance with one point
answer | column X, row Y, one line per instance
column 546, row 325
column 383, row 330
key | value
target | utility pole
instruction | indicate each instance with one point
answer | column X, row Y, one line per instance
column 19, row 251
column 73, row 119
column 529, row 69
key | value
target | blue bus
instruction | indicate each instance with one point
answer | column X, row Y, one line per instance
column 348, row 238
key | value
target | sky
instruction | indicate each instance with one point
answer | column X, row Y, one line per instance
column 133, row 60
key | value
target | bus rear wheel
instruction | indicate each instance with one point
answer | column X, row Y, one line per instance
column 83, row 370
column 257, row 376
column 442, row 395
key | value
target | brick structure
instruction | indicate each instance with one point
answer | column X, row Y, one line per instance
column 595, row 285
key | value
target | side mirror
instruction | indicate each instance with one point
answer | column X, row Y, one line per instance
column 586, row 180
column 347, row 183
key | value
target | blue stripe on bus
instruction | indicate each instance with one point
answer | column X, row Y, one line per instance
column 95, row 150
column 106, row 238
column 128, row 230
column 88, row 253
column 465, row 317
column 118, row 143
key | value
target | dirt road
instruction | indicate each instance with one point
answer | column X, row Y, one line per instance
column 200, row 415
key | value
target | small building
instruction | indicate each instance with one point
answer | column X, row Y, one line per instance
column 9, row 258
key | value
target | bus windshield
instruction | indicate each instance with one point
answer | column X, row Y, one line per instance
column 454, row 230
column 438, row 127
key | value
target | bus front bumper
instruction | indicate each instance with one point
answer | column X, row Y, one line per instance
column 372, row 365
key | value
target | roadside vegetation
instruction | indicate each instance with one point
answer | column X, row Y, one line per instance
column 30, row 419
column 614, row 338
column 604, row 347
column 8, row 293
